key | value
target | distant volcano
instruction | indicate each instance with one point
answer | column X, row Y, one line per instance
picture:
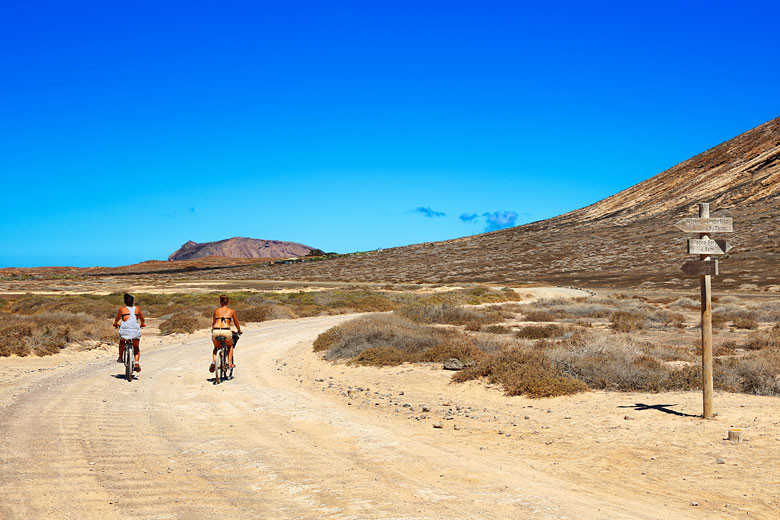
column 239, row 247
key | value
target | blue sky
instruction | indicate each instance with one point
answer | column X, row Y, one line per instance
column 128, row 128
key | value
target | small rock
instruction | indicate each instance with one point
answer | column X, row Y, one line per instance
column 526, row 417
column 425, row 408
column 720, row 461
column 453, row 364
column 629, row 417
column 438, row 425
column 694, row 503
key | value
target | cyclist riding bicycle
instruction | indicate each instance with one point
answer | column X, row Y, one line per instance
column 130, row 328
column 223, row 317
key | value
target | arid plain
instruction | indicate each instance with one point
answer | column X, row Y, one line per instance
column 579, row 397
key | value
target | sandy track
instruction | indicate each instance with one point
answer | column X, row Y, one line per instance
column 293, row 437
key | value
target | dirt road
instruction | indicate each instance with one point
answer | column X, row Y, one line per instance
column 292, row 437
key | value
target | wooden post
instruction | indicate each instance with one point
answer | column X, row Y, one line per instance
column 705, row 268
column 706, row 326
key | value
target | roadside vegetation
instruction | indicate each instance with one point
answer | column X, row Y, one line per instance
column 45, row 324
column 560, row 347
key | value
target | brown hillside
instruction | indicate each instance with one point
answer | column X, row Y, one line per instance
column 625, row 240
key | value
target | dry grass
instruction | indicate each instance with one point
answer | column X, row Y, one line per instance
column 348, row 340
column 540, row 331
column 49, row 332
column 626, row 321
column 447, row 314
column 765, row 339
column 745, row 323
column 610, row 362
column 523, row 371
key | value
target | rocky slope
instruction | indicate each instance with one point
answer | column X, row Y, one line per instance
column 239, row 247
column 627, row 239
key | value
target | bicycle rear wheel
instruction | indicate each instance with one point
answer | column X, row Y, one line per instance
column 222, row 362
column 129, row 359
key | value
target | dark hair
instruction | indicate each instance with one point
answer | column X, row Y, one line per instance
column 223, row 299
column 129, row 299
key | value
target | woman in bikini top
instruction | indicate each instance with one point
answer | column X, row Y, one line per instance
column 223, row 317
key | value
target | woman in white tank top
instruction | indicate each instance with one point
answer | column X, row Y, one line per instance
column 130, row 328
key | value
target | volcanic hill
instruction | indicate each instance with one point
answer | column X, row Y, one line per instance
column 239, row 247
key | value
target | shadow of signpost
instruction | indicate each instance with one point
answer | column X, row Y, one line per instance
column 664, row 408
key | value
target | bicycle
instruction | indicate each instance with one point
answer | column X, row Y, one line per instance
column 222, row 370
column 129, row 359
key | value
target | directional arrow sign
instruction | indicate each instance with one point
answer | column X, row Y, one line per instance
column 700, row 267
column 703, row 246
column 705, row 225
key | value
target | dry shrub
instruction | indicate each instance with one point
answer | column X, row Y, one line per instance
column 184, row 322
column 669, row 319
column 454, row 345
column 496, row 329
column 354, row 301
column 719, row 320
column 540, row 331
column 757, row 373
column 479, row 295
column 764, row 339
column 523, row 371
column 348, row 340
column 381, row 356
column 47, row 332
column 534, row 315
column 745, row 323
column 625, row 321
column 666, row 352
column 609, row 362
column 727, row 348
column 13, row 339
column 684, row 302
column 264, row 312
column 449, row 314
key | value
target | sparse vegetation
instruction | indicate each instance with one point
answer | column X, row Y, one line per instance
column 560, row 357
column 523, row 371
column 539, row 331
column 49, row 332
column 185, row 322
column 626, row 321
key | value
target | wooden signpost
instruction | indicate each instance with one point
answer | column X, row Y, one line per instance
column 705, row 268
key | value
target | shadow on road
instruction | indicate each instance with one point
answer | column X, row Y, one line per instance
column 665, row 408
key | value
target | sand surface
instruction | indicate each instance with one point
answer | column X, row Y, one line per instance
column 292, row 436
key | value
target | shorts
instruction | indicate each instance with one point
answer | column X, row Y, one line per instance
column 215, row 333
column 130, row 333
